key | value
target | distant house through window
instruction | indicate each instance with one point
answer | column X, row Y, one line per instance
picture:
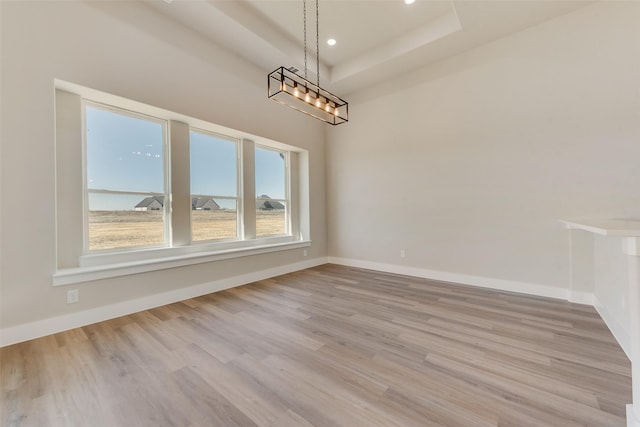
column 204, row 204
column 155, row 203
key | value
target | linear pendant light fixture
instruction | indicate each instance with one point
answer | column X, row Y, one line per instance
column 285, row 86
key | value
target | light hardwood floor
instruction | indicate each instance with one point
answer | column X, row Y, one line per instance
column 328, row 346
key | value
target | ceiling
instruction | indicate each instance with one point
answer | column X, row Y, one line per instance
column 376, row 39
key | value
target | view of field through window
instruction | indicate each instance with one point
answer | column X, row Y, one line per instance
column 126, row 184
column 271, row 188
column 123, row 229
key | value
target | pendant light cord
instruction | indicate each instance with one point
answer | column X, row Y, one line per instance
column 304, row 20
column 304, row 12
column 317, row 43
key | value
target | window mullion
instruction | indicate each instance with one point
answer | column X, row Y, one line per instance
column 180, row 187
column 248, row 198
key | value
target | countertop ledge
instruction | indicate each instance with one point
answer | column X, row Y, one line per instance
column 623, row 227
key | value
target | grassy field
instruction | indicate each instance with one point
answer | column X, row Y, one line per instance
column 121, row 229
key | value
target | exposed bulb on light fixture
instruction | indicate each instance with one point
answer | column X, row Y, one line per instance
column 409, row 1
column 331, row 42
column 318, row 103
column 327, row 108
column 335, row 112
column 307, row 97
column 296, row 92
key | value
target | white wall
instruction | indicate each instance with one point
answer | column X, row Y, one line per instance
column 611, row 286
column 469, row 163
column 126, row 49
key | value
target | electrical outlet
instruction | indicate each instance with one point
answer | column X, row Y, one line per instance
column 73, row 296
column 402, row 253
column 304, row 253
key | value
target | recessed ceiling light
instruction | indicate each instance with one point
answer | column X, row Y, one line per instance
column 331, row 42
column 409, row 1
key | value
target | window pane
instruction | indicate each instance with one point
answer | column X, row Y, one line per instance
column 214, row 172
column 213, row 219
column 270, row 174
column 213, row 165
column 123, row 152
column 270, row 218
column 125, row 220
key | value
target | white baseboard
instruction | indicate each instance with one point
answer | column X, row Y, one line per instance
column 40, row 328
column 464, row 279
column 618, row 330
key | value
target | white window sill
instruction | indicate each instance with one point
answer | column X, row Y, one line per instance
column 180, row 259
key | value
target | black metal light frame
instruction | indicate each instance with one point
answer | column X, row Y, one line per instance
column 292, row 90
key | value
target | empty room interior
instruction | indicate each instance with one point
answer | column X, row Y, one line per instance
column 436, row 224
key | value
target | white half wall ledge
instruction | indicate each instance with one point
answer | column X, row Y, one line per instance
column 633, row 419
column 617, row 329
column 40, row 328
column 465, row 279
column 623, row 227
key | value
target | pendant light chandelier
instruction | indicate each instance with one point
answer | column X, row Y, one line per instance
column 285, row 86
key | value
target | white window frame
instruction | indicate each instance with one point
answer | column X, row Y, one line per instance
column 239, row 193
column 74, row 265
column 166, row 212
column 287, row 191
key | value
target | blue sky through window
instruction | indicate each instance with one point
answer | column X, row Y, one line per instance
column 270, row 173
column 213, row 165
column 125, row 153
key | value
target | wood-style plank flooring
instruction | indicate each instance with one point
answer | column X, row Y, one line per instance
column 328, row 346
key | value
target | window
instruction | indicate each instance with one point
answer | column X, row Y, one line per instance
column 125, row 180
column 214, row 186
column 272, row 190
column 139, row 188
